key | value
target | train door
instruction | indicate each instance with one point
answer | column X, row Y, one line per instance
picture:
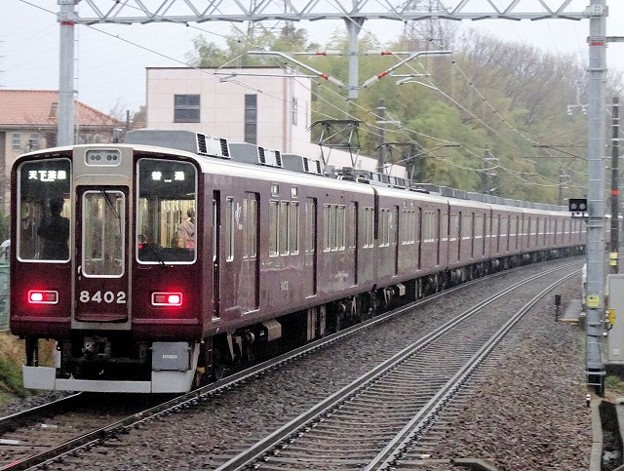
column 249, row 278
column 310, row 256
column 216, row 233
column 102, row 274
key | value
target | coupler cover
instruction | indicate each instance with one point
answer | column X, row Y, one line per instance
column 171, row 356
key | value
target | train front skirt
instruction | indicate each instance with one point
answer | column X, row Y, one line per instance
column 173, row 371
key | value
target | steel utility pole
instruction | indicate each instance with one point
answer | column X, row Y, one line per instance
column 615, row 186
column 65, row 113
column 597, row 13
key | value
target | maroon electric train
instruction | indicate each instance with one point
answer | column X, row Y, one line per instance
column 280, row 256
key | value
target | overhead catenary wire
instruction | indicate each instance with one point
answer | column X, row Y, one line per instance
column 371, row 127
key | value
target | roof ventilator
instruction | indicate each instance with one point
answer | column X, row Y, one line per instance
column 253, row 154
column 197, row 143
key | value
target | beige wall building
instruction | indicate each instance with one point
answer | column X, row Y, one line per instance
column 28, row 121
column 267, row 106
column 263, row 106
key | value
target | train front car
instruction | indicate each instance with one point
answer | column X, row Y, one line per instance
column 99, row 268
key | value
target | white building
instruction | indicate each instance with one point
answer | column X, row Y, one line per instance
column 260, row 105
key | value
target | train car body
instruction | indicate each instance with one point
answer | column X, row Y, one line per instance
column 278, row 257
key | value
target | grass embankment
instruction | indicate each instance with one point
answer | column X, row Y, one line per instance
column 11, row 361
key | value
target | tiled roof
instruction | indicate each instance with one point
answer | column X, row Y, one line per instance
column 28, row 108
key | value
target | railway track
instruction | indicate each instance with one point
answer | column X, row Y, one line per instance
column 388, row 413
column 32, row 436
column 110, row 427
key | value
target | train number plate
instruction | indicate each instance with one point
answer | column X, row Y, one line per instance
column 108, row 297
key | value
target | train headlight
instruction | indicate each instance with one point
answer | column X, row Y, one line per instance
column 167, row 299
column 36, row 296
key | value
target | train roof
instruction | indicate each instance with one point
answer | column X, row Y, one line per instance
column 216, row 154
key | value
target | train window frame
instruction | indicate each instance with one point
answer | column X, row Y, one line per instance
column 283, row 227
column 230, row 208
column 429, row 226
column 444, row 226
column 333, row 233
column 413, row 226
column 31, row 212
column 273, row 228
column 327, row 226
column 310, row 225
column 352, row 225
column 157, row 224
column 293, row 228
column 88, row 222
column 215, row 224
column 245, row 254
column 369, row 227
column 454, row 227
column 404, row 228
column 340, row 227
column 384, row 223
column 252, row 224
column 334, row 216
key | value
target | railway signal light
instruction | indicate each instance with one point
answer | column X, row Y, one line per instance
column 577, row 205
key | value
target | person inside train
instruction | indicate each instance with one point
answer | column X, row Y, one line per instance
column 186, row 231
column 54, row 230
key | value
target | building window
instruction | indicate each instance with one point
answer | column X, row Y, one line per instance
column 186, row 109
column 295, row 111
column 251, row 119
column 307, row 123
column 17, row 140
column 33, row 142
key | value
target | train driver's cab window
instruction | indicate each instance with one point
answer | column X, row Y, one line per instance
column 44, row 209
column 166, row 220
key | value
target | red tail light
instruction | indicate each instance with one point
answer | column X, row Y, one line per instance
column 166, row 299
column 36, row 296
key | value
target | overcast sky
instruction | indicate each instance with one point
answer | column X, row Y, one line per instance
column 111, row 60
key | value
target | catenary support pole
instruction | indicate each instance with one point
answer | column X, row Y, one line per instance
column 65, row 113
column 615, row 186
column 597, row 13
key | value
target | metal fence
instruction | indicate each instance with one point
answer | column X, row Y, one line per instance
column 4, row 296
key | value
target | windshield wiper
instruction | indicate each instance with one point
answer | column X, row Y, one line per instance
column 111, row 205
column 156, row 254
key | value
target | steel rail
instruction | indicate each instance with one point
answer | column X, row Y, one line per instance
column 388, row 457
column 264, row 446
column 193, row 397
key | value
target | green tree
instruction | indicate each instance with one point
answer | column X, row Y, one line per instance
column 503, row 98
